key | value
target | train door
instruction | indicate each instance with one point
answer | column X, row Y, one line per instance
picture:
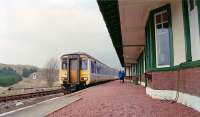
column 73, row 71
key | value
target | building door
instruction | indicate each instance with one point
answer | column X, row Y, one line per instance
column 73, row 71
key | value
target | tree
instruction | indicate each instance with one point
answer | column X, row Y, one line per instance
column 27, row 72
column 51, row 71
column 8, row 76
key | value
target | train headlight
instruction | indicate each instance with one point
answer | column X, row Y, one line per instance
column 84, row 78
column 64, row 78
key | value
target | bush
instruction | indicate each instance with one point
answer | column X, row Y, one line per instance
column 27, row 72
column 8, row 77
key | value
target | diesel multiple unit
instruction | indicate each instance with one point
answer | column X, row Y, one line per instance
column 81, row 69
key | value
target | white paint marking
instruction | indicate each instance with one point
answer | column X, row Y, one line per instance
column 6, row 113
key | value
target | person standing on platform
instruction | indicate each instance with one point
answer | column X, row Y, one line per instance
column 123, row 76
column 120, row 75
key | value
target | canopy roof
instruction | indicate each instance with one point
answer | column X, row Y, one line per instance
column 125, row 21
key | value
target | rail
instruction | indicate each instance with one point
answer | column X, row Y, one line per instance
column 30, row 95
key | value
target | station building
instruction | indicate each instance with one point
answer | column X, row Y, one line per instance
column 158, row 41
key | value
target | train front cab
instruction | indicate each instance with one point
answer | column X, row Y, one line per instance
column 74, row 71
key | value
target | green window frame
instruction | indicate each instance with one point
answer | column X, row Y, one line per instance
column 150, row 48
column 198, row 7
column 186, row 31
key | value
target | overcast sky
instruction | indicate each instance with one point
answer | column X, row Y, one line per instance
column 33, row 31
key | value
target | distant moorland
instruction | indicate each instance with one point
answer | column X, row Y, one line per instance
column 11, row 74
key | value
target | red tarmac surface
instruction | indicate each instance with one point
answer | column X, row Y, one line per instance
column 115, row 99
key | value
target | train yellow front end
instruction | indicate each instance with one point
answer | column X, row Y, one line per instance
column 84, row 70
column 63, row 72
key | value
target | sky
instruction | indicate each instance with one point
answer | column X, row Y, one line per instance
column 34, row 31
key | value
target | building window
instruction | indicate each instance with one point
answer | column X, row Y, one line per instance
column 194, row 29
column 159, row 39
column 162, row 38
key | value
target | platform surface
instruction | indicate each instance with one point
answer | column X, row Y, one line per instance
column 44, row 108
column 115, row 99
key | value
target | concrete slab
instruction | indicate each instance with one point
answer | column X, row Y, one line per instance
column 43, row 108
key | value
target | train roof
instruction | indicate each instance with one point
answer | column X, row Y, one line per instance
column 89, row 56
column 78, row 53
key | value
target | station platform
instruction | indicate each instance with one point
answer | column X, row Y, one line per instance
column 115, row 99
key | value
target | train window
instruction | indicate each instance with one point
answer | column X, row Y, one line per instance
column 92, row 67
column 83, row 64
column 98, row 68
column 64, row 65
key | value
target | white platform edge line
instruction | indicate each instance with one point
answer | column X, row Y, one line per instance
column 19, row 109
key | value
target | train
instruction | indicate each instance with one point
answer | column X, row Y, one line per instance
column 80, row 69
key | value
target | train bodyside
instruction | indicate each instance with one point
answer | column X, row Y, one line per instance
column 99, row 72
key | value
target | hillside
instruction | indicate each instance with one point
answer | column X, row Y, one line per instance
column 17, row 68
column 29, row 82
column 8, row 76
column 11, row 74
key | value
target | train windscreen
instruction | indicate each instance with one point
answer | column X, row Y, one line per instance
column 64, row 65
column 84, row 64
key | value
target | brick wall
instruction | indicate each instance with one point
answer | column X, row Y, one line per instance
column 189, row 81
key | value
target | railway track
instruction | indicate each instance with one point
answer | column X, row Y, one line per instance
column 39, row 93
column 30, row 95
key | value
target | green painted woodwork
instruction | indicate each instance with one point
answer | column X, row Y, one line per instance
column 150, row 39
column 186, row 65
column 186, row 30
column 198, row 7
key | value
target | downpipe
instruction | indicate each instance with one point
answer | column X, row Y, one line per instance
column 179, row 68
